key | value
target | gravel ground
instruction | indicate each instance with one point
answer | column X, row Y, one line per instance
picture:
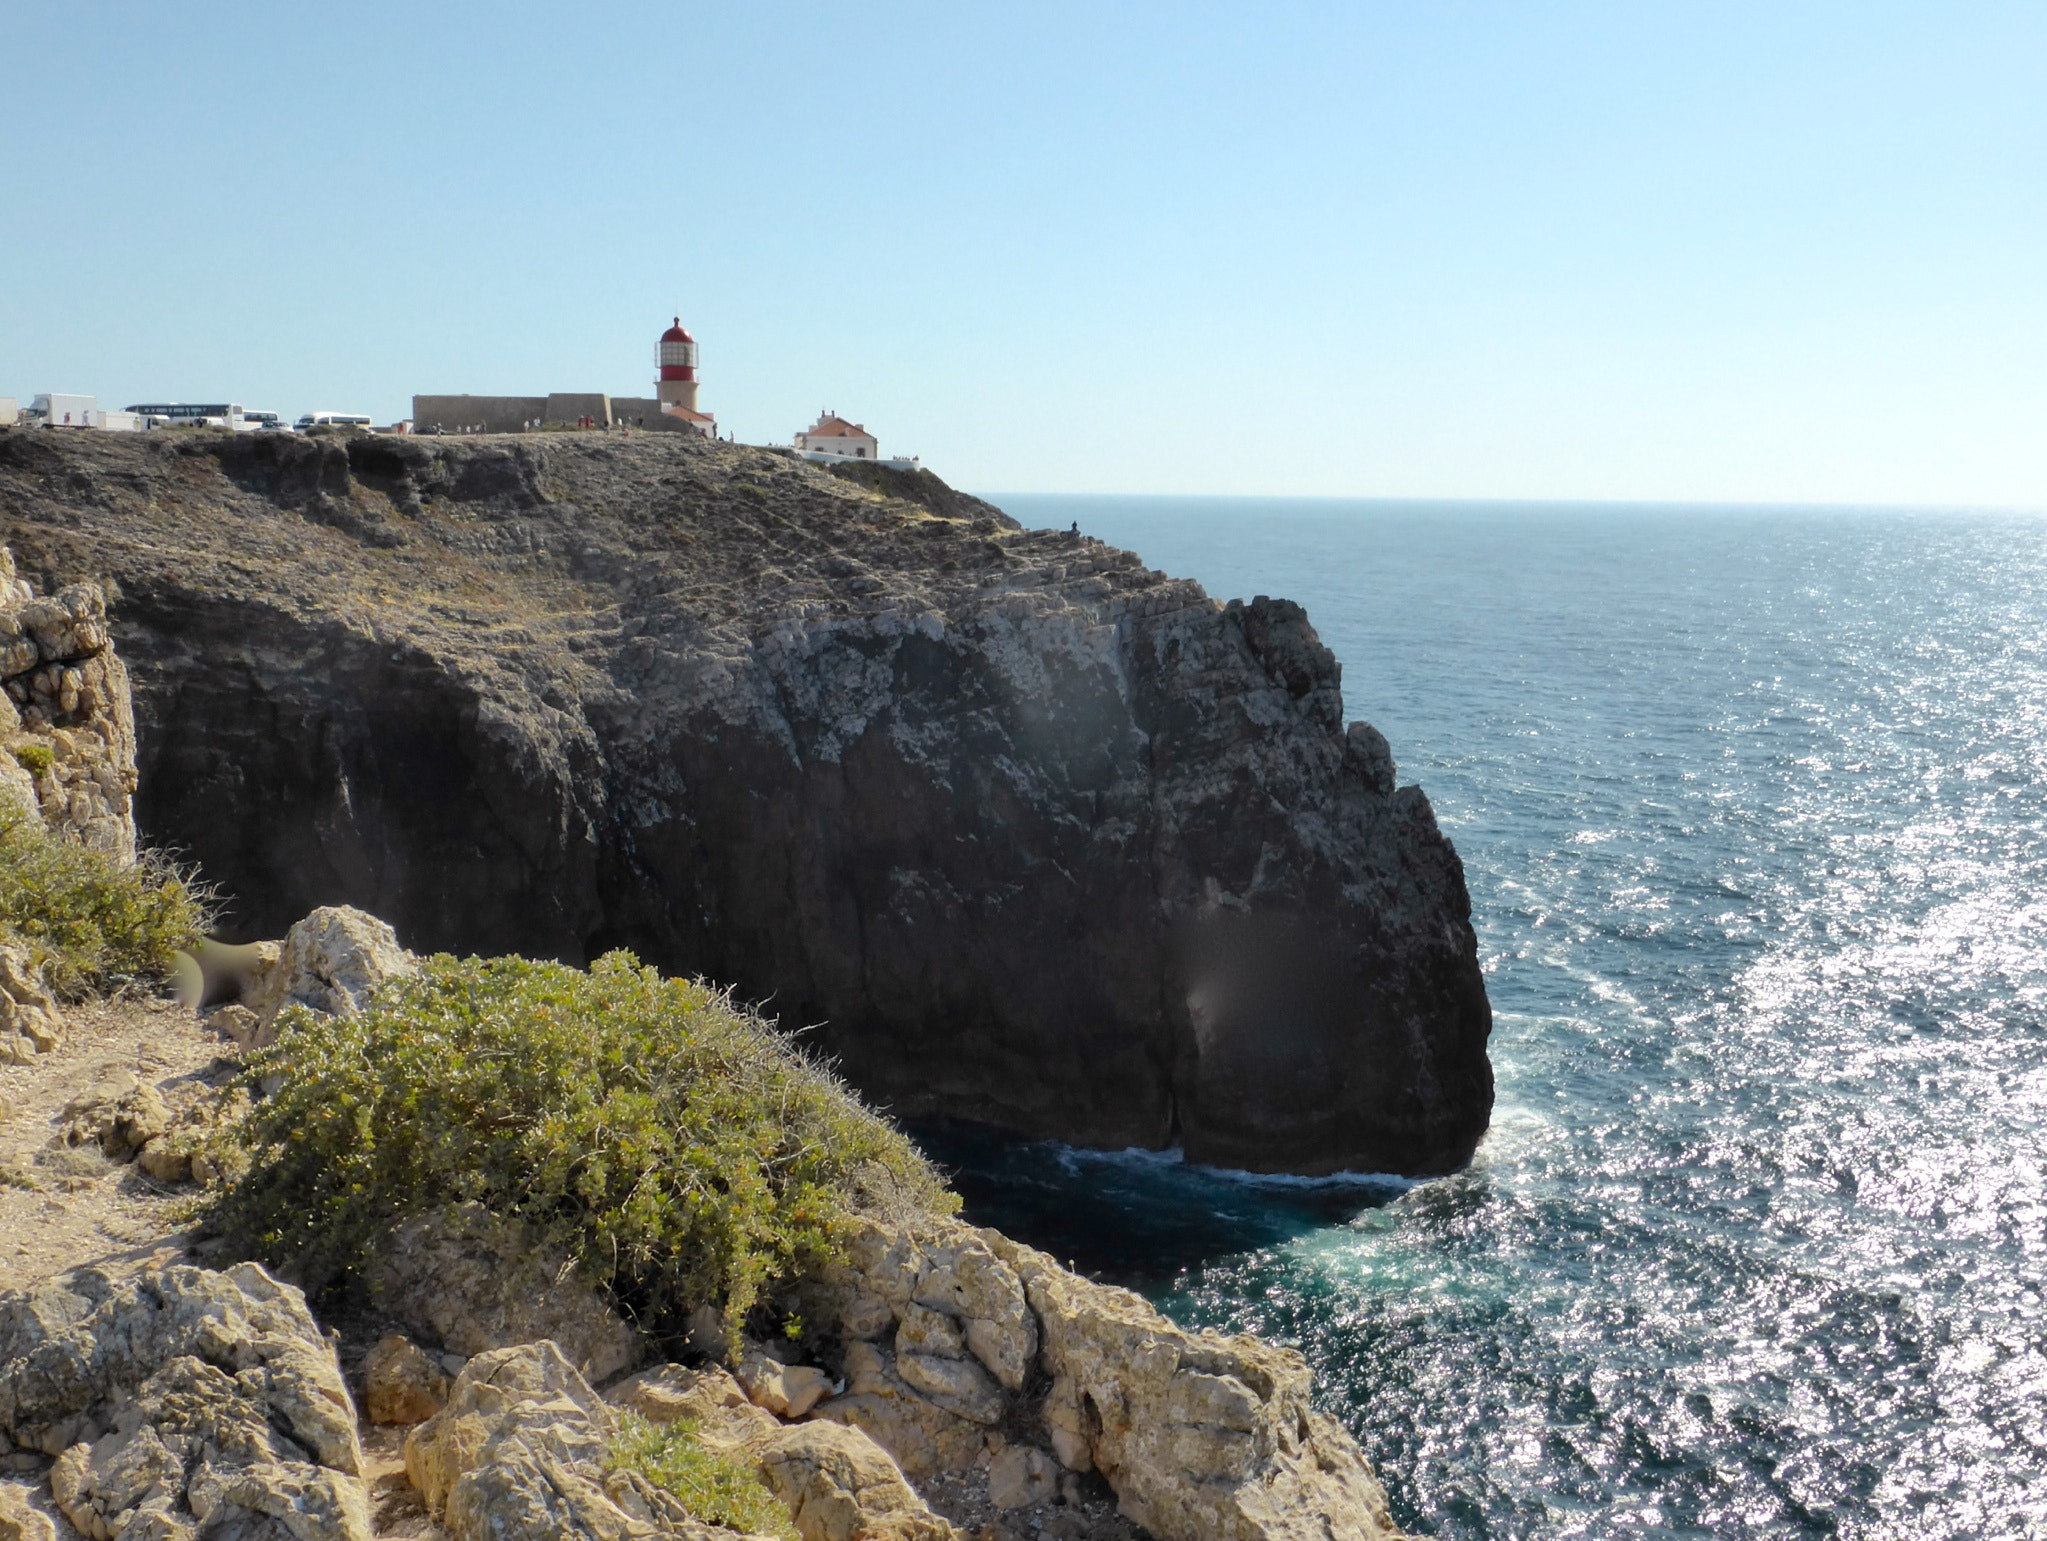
column 62, row 1207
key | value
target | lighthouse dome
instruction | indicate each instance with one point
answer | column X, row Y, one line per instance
column 676, row 334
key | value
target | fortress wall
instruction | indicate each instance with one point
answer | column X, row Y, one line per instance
column 645, row 412
column 567, row 406
column 497, row 414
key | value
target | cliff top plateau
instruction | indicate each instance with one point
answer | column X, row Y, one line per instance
column 1028, row 833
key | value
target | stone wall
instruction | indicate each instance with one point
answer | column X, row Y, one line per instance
column 497, row 414
column 645, row 412
column 67, row 728
column 574, row 406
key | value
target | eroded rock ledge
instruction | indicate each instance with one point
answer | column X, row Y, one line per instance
column 184, row 1402
column 1045, row 839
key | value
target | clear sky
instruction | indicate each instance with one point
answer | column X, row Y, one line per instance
column 1732, row 251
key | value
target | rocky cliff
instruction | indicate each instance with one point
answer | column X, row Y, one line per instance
column 1039, row 837
column 67, row 728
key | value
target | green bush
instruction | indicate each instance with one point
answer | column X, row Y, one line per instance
column 36, row 759
column 684, row 1150
column 714, row 1488
column 90, row 920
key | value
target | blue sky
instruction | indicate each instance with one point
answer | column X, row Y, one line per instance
column 1746, row 252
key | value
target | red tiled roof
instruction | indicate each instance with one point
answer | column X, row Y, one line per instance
column 829, row 427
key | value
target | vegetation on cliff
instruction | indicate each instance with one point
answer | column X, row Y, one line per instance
column 717, row 1489
column 89, row 919
column 679, row 1146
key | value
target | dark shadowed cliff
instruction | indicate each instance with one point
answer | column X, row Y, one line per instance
column 1037, row 836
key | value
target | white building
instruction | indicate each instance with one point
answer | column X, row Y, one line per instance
column 831, row 440
column 831, row 437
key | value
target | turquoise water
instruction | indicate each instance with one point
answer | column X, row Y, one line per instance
column 1754, row 810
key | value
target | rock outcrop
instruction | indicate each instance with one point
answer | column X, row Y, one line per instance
column 402, row 1383
column 1045, row 839
column 331, row 962
column 67, row 728
column 840, row 1486
column 518, row 1454
column 950, row 1334
column 30, row 1023
column 182, row 1403
column 20, row 1519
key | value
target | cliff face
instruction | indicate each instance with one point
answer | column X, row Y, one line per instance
column 1039, row 837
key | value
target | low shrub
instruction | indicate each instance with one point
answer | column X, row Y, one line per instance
column 90, row 920
column 683, row 1149
column 36, row 759
column 716, row 1489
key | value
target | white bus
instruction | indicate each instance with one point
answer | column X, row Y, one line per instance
column 332, row 420
column 189, row 414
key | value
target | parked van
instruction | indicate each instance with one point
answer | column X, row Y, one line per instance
column 333, row 420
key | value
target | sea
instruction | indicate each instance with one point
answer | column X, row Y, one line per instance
column 1753, row 806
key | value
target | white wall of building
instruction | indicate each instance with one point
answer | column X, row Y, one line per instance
column 852, row 446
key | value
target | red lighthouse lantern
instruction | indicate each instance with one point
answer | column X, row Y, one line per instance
column 675, row 384
column 678, row 353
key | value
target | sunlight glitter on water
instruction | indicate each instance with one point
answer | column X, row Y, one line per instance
column 1753, row 810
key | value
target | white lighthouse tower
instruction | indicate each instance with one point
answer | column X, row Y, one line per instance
column 675, row 386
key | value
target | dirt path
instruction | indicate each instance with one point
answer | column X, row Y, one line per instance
column 63, row 1206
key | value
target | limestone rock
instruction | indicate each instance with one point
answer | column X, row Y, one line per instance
column 1020, row 1476
column 66, row 697
column 529, row 1394
column 474, row 1282
column 186, row 1150
column 237, row 1023
column 162, row 1160
column 13, row 592
column 69, row 626
column 182, row 1402
column 949, row 1291
column 402, row 1383
column 332, row 962
column 668, row 1393
column 786, row 1390
column 518, row 1455
column 712, row 1399
column 1050, row 840
column 192, row 1443
column 923, row 1437
column 72, row 1350
column 20, row 1520
column 841, row 1486
column 29, row 1021
column 1201, row 1436
column 957, row 1385
column 118, row 1113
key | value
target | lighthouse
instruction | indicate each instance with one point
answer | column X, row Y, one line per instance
column 676, row 385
